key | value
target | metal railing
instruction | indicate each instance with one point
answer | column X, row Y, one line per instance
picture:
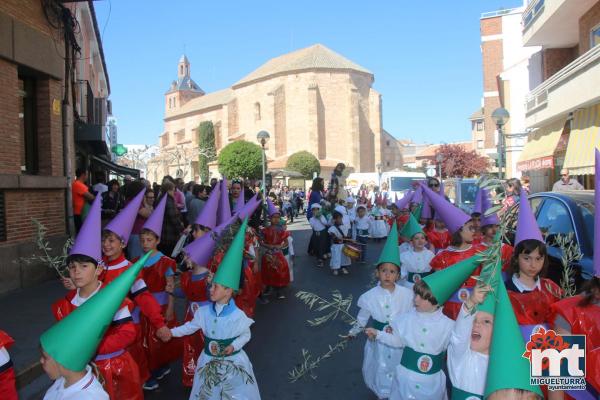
column 497, row 13
column 539, row 96
column 534, row 9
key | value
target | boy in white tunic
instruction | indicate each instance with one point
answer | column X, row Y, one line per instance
column 381, row 304
column 226, row 330
column 319, row 245
column 415, row 261
column 425, row 332
column 70, row 344
column 361, row 223
column 338, row 232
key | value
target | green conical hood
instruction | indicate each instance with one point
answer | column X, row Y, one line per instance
column 507, row 369
column 445, row 282
column 390, row 253
column 417, row 212
column 491, row 299
column 229, row 271
column 411, row 228
column 73, row 341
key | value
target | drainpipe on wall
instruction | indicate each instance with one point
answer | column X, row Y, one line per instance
column 67, row 149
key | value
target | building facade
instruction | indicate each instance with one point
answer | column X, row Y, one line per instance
column 563, row 106
column 312, row 99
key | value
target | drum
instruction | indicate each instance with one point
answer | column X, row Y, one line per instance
column 352, row 251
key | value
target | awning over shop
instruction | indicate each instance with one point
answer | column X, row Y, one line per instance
column 116, row 168
column 583, row 140
column 538, row 152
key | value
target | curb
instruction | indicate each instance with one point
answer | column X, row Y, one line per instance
column 28, row 374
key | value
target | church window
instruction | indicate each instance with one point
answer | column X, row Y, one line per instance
column 387, row 143
column 181, row 69
column 170, row 102
column 174, row 102
column 387, row 163
column 257, row 111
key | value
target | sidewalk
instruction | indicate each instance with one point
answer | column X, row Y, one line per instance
column 26, row 314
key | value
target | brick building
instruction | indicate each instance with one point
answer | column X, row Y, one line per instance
column 41, row 146
column 312, row 99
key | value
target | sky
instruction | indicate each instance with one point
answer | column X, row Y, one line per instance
column 425, row 56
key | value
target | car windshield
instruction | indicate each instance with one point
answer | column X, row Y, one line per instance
column 399, row 183
column 587, row 211
column 468, row 190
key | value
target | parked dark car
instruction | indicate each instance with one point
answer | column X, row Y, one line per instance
column 563, row 213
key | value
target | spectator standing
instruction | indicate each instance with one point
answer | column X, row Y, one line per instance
column 335, row 190
column 513, row 188
column 100, row 186
column 566, row 182
column 197, row 202
column 525, row 182
column 112, row 200
column 134, row 246
column 172, row 223
column 316, row 194
column 81, row 194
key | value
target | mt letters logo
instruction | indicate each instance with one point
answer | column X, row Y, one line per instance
column 556, row 360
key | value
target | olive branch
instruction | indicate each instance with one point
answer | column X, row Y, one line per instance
column 338, row 306
column 216, row 372
column 42, row 244
column 570, row 253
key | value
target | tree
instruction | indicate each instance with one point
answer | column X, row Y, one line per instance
column 305, row 163
column 206, row 148
column 241, row 159
column 458, row 162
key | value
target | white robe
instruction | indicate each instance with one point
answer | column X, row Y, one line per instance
column 218, row 321
column 338, row 258
column 87, row 388
column 413, row 261
column 380, row 360
column 467, row 368
column 378, row 228
column 426, row 333
column 290, row 257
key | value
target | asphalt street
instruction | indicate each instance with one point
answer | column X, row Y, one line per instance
column 281, row 332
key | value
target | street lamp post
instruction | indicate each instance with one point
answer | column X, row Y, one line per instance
column 500, row 116
column 439, row 158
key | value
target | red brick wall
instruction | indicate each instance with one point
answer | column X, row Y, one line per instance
column 491, row 53
column 556, row 59
column 29, row 12
column 10, row 163
column 492, row 58
column 589, row 20
column 47, row 206
column 491, row 26
column 50, row 144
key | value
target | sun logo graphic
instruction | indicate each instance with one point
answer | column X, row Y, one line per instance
column 556, row 360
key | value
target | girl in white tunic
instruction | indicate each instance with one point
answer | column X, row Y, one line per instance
column 469, row 347
column 338, row 233
column 226, row 330
column 361, row 223
column 379, row 228
column 415, row 261
column 424, row 333
column 381, row 304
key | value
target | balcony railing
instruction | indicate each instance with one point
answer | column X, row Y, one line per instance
column 539, row 96
column 497, row 13
column 534, row 9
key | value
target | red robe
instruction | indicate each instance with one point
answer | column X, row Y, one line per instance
column 446, row 259
column 583, row 321
column 158, row 353
column 439, row 240
column 144, row 303
column 245, row 299
column 8, row 389
column 195, row 289
column 275, row 269
column 120, row 371
column 534, row 307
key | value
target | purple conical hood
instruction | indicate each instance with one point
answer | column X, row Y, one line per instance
column 491, row 219
column 122, row 224
column 89, row 238
column 405, row 201
column 201, row 250
column 271, row 208
column 453, row 217
column 478, row 206
column 208, row 215
column 155, row 220
column 597, row 218
column 249, row 207
column 221, row 227
column 224, row 211
column 239, row 205
column 426, row 210
column 418, row 195
column 527, row 227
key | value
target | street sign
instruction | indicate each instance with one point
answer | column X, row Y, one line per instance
column 119, row 150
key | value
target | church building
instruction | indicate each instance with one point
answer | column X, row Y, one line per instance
column 312, row 99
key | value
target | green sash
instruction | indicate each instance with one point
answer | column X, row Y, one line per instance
column 379, row 325
column 458, row 394
column 222, row 343
column 421, row 275
column 422, row 363
column 362, row 232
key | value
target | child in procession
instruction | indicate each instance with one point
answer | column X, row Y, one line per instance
column 415, row 261
column 338, row 232
column 275, row 269
column 8, row 389
column 320, row 244
column 381, row 304
column 438, row 236
column 378, row 226
column 226, row 329
column 361, row 224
